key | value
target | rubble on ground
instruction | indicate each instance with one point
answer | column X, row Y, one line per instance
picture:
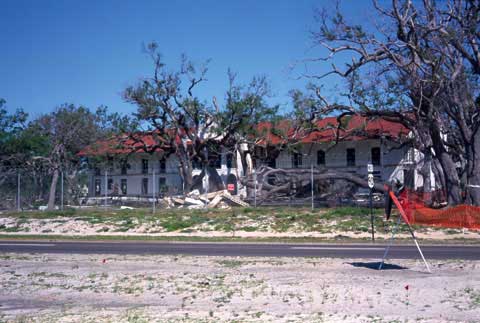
column 195, row 200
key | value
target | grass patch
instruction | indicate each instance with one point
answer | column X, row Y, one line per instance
column 175, row 223
column 16, row 228
column 474, row 297
column 339, row 212
column 248, row 228
column 279, row 219
column 230, row 263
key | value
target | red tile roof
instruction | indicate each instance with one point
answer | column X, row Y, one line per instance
column 118, row 145
column 353, row 128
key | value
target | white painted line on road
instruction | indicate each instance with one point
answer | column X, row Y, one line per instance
column 28, row 244
column 336, row 248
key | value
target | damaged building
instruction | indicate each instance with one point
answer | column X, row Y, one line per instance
column 133, row 173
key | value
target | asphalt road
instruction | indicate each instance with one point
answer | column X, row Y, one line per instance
column 242, row 249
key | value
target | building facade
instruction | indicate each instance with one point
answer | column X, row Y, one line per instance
column 146, row 175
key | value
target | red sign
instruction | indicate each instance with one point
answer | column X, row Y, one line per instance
column 231, row 187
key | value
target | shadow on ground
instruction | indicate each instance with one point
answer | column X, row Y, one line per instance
column 375, row 265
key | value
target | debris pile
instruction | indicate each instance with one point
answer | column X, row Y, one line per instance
column 195, row 200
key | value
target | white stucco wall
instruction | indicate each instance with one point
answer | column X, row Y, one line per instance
column 135, row 175
column 393, row 161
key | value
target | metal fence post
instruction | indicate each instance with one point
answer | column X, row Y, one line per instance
column 106, row 188
column 311, row 181
column 371, row 214
column 153, row 187
column 207, row 187
column 371, row 185
column 18, row 192
column 206, row 178
column 61, row 190
column 255, row 189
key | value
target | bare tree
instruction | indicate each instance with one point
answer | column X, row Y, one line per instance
column 181, row 124
column 422, row 62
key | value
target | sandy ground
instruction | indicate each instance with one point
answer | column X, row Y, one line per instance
column 108, row 288
column 69, row 226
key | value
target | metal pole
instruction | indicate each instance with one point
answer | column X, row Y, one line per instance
column 391, row 242
column 61, row 190
column 414, row 239
column 207, row 184
column 153, row 188
column 371, row 214
column 206, row 178
column 255, row 189
column 106, row 187
column 311, row 181
column 18, row 192
column 418, row 247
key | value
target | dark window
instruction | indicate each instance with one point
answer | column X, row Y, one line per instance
column 351, row 157
column 110, row 184
column 124, row 169
column 259, row 151
column 297, row 160
column 408, row 178
column 162, row 184
column 196, row 164
column 272, row 162
column 144, row 166
column 144, row 186
column 123, row 186
column 97, row 171
column 229, row 160
column 216, row 161
column 163, row 166
column 320, row 157
column 214, row 156
column 98, row 187
column 376, row 155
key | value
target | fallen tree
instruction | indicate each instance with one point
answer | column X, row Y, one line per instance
column 277, row 181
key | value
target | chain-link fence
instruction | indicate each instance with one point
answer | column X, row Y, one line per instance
column 25, row 189
column 32, row 188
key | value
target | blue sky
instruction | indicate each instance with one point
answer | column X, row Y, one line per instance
column 87, row 52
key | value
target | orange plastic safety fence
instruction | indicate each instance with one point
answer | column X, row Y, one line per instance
column 460, row 216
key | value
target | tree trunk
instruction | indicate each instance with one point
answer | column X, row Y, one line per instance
column 246, row 177
column 187, row 177
column 473, row 189
column 452, row 180
column 425, row 171
column 473, row 174
column 53, row 190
